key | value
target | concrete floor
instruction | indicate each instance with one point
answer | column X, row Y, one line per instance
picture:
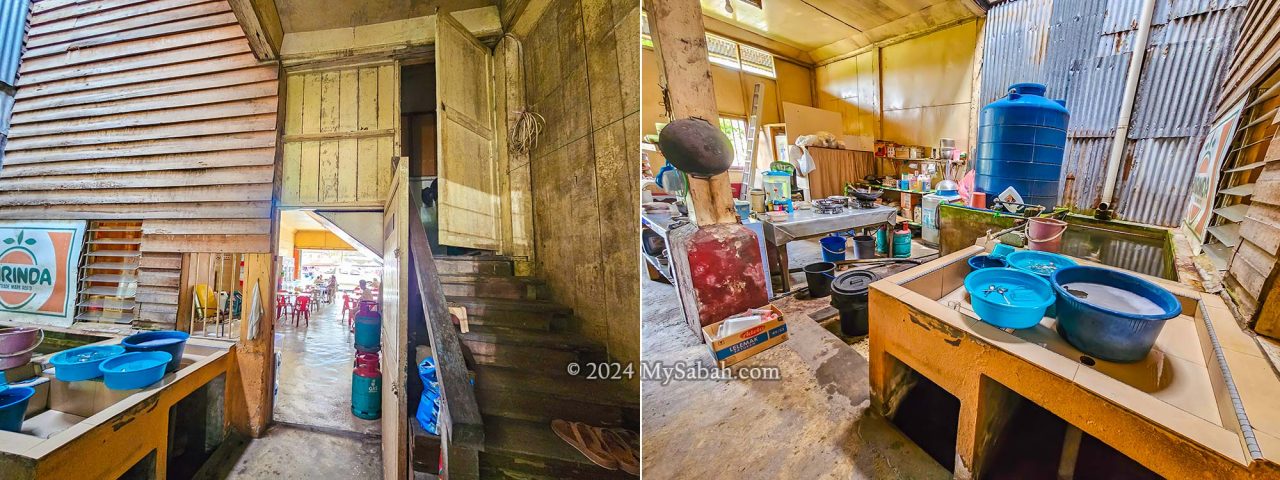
column 316, row 437
column 293, row 453
column 813, row 423
column 315, row 373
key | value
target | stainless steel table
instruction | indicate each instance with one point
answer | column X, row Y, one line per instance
column 803, row 224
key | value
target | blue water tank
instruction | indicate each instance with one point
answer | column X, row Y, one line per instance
column 1021, row 138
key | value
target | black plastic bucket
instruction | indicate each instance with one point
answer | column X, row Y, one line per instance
column 864, row 246
column 818, row 276
column 849, row 296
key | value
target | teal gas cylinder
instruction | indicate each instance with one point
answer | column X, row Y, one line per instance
column 368, row 327
column 366, row 387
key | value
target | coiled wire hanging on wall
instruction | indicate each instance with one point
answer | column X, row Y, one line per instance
column 522, row 138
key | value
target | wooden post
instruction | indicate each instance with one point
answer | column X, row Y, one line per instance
column 680, row 41
column 255, row 357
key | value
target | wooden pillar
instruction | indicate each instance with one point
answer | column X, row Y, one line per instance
column 680, row 41
column 732, row 274
column 254, row 373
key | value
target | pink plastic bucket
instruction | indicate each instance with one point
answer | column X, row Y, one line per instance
column 1045, row 234
column 16, row 345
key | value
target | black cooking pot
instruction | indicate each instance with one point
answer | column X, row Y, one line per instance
column 696, row 147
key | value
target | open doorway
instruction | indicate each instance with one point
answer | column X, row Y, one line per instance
column 323, row 277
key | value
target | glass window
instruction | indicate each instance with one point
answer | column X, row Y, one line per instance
column 725, row 52
column 736, row 129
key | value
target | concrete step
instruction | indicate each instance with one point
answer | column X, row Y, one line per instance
column 492, row 286
column 522, row 449
column 477, row 265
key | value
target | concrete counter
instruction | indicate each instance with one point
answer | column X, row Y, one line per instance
column 84, row 430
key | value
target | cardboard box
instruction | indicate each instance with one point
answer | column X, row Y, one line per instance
column 736, row 348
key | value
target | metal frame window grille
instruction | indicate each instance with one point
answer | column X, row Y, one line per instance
column 725, row 52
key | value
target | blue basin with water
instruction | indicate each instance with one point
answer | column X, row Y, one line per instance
column 1109, row 314
column 134, row 370
column 1007, row 297
column 81, row 363
column 172, row 342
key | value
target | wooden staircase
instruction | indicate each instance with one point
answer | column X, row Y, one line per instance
column 522, row 345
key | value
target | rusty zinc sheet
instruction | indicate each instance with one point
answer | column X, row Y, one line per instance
column 13, row 30
column 1081, row 50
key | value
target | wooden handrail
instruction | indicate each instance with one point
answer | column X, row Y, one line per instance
column 460, row 420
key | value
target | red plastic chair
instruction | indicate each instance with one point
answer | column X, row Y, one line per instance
column 300, row 308
column 282, row 305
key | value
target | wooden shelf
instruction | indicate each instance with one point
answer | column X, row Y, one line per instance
column 1242, row 168
column 1219, row 255
column 106, row 317
column 112, row 266
column 1227, row 233
column 896, row 189
column 1234, row 213
column 109, row 278
column 1239, row 190
column 116, row 241
column 114, row 253
column 109, row 303
column 108, row 291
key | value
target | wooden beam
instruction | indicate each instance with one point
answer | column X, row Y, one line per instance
column 261, row 24
column 680, row 41
column 461, row 412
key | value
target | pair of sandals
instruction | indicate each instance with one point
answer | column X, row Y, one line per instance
column 611, row 448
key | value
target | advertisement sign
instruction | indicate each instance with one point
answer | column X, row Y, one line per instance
column 1204, row 183
column 38, row 270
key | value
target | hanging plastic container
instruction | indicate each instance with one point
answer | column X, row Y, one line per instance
column 368, row 327
column 833, row 248
column 366, row 388
column 1021, row 139
column 929, row 213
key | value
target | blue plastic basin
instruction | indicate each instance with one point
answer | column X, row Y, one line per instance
column 1022, row 304
column 1107, row 332
column 1039, row 263
column 134, row 370
column 13, row 407
column 979, row 262
column 82, row 363
column 168, row 341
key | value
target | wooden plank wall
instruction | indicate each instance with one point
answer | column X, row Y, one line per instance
column 145, row 110
column 341, row 134
column 1252, row 275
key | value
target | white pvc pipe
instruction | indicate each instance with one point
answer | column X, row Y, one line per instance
column 1126, row 106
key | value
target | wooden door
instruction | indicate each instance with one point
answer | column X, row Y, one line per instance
column 469, row 201
column 395, row 336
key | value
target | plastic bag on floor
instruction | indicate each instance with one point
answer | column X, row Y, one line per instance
column 429, row 404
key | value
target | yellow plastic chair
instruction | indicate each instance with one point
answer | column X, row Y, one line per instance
column 206, row 302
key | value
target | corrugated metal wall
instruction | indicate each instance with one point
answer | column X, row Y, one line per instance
column 13, row 30
column 1081, row 50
